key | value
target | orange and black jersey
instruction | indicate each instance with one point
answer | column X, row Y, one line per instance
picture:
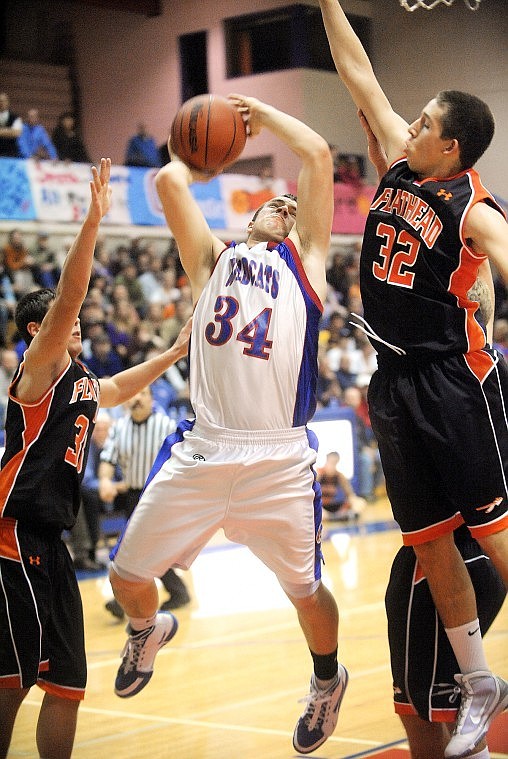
column 46, row 450
column 417, row 267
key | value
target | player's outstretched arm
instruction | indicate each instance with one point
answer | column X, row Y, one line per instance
column 47, row 353
column 122, row 386
column 355, row 70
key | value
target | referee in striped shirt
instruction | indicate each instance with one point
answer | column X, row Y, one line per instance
column 132, row 445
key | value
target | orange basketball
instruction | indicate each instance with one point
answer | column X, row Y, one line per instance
column 208, row 133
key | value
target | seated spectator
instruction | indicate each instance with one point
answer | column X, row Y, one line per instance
column 128, row 276
column 18, row 263
column 103, row 361
column 337, row 276
column 338, row 497
column 167, row 292
column 34, row 141
column 45, row 268
column 154, row 323
column 10, row 129
column 67, row 141
column 121, row 327
column 170, row 327
column 346, row 372
column 142, row 149
column 329, row 392
column 148, row 266
column 335, row 328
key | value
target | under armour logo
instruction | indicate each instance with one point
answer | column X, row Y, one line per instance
column 35, row 560
column 490, row 506
column 442, row 193
column 198, row 457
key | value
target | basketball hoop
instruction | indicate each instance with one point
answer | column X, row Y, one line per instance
column 412, row 5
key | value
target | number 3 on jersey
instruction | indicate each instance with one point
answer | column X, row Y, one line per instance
column 74, row 456
column 254, row 334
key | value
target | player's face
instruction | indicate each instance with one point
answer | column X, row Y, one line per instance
column 275, row 219
column 425, row 148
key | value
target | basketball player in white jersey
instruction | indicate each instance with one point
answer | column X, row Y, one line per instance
column 246, row 463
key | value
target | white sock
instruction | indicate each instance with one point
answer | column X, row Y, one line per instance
column 467, row 644
column 141, row 623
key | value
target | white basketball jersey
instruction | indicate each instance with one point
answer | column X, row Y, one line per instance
column 254, row 341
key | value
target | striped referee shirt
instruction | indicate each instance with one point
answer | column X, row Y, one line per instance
column 133, row 446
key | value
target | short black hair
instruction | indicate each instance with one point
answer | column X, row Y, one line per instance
column 32, row 307
column 468, row 120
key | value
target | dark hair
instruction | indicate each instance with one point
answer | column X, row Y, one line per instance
column 469, row 120
column 32, row 307
column 284, row 195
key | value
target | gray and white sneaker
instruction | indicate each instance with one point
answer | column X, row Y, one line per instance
column 319, row 719
column 483, row 697
column 139, row 654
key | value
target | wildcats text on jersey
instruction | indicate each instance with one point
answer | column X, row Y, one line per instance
column 413, row 209
column 254, row 273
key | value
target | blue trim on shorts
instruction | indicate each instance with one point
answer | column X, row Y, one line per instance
column 164, row 454
column 318, row 509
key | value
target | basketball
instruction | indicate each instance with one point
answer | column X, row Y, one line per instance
column 208, row 133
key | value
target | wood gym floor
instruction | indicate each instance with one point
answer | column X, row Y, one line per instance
column 228, row 684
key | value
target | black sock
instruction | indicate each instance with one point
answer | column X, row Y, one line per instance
column 325, row 665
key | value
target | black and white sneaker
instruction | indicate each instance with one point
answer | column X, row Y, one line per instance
column 319, row 719
column 139, row 654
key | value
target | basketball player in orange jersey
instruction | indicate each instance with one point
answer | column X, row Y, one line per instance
column 51, row 412
column 422, row 660
column 245, row 464
column 439, row 388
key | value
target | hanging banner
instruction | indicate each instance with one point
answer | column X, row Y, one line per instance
column 54, row 191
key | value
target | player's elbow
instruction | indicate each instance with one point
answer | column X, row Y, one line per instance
column 319, row 153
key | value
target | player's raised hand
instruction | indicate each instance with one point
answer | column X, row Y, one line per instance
column 251, row 109
column 100, row 190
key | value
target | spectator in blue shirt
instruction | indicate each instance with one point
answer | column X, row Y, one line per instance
column 142, row 149
column 104, row 361
column 34, row 141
